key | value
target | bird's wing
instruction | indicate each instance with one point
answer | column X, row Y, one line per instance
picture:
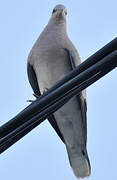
column 34, row 84
column 75, row 61
column 33, row 79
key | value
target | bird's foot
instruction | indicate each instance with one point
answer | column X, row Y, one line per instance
column 30, row 101
column 35, row 95
column 45, row 90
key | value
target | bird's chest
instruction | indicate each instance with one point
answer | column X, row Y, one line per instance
column 51, row 67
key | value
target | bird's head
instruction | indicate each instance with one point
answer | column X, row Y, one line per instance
column 59, row 12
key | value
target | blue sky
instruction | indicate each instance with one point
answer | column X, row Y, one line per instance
column 40, row 154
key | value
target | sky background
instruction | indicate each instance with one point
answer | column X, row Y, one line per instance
column 41, row 154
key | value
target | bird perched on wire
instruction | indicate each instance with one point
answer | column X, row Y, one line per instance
column 51, row 58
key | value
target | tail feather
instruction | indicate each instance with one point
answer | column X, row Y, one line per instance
column 79, row 163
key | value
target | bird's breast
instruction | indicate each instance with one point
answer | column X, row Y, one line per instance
column 51, row 66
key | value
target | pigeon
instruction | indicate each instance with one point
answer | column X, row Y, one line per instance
column 51, row 58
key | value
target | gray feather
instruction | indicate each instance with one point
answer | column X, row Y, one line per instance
column 52, row 57
column 34, row 84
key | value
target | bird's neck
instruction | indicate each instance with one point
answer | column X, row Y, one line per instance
column 56, row 26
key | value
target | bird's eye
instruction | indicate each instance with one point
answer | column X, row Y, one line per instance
column 54, row 10
column 66, row 13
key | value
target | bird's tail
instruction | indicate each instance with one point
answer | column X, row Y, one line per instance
column 79, row 163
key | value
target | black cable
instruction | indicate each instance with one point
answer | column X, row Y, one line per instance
column 28, row 112
column 67, row 91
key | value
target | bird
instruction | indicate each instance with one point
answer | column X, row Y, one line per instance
column 53, row 56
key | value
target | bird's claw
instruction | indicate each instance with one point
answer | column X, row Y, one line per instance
column 30, row 101
column 35, row 95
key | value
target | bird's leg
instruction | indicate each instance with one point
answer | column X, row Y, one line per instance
column 45, row 90
column 30, row 101
column 35, row 95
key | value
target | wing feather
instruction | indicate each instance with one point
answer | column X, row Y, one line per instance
column 75, row 60
column 34, row 84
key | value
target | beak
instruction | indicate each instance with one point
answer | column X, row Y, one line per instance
column 61, row 11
